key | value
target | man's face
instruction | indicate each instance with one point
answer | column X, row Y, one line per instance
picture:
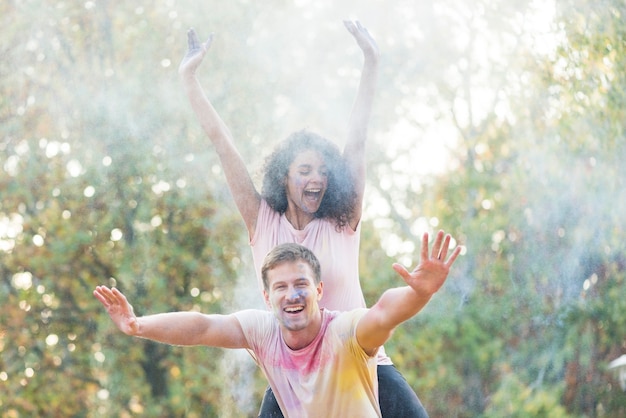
column 293, row 295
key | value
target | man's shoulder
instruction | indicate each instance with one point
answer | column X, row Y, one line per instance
column 254, row 316
column 345, row 317
column 352, row 312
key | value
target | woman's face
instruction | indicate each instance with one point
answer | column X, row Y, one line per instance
column 306, row 181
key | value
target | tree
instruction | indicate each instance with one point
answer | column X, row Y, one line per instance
column 95, row 189
column 526, row 194
column 508, row 137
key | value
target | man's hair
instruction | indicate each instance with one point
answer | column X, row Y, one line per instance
column 340, row 196
column 290, row 253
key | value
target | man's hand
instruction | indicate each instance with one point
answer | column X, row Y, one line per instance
column 118, row 308
column 432, row 271
column 195, row 53
column 363, row 39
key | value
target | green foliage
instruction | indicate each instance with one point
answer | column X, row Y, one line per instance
column 515, row 399
column 95, row 189
column 105, row 177
column 536, row 197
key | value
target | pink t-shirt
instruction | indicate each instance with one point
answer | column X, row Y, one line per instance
column 337, row 252
column 331, row 377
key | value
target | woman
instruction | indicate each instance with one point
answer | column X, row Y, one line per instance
column 312, row 195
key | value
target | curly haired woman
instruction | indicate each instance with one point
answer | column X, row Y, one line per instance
column 312, row 195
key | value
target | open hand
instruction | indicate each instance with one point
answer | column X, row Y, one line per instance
column 431, row 273
column 195, row 52
column 363, row 38
column 118, row 308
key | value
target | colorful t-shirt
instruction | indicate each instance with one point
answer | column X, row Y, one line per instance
column 331, row 377
column 337, row 252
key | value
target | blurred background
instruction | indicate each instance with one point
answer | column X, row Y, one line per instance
column 501, row 122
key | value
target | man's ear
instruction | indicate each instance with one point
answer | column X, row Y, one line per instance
column 320, row 291
column 266, row 298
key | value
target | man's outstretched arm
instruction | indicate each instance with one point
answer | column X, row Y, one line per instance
column 399, row 304
column 175, row 328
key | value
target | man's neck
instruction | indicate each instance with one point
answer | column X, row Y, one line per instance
column 297, row 340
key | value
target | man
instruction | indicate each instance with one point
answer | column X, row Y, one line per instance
column 317, row 361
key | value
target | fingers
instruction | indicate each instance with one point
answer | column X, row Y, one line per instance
column 120, row 299
column 192, row 39
column 98, row 294
column 401, row 270
column 453, row 256
column 349, row 25
column 209, row 41
column 103, row 294
column 109, row 297
column 436, row 251
column 440, row 248
column 424, row 252
column 354, row 27
column 193, row 42
column 445, row 247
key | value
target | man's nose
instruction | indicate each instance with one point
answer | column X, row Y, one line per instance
column 294, row 295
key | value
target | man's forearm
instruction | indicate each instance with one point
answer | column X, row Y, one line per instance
column 400, row 304
column 175, row 328
column 394, row 307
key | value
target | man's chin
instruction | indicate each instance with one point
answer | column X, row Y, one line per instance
column 295, row 325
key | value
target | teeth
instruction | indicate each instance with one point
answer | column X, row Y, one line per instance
column 313, row 190
column 296, row 309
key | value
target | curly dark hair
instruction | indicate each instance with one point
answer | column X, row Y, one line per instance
column 340, row 197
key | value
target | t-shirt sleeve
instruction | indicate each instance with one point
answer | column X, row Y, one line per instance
column 346, row 324
column 264, row 218
column 258, row 327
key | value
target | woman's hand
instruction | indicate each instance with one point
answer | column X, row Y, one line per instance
column 195, row 53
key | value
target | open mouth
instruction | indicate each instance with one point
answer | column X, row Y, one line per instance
column 313, row 193
column 294, row 309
